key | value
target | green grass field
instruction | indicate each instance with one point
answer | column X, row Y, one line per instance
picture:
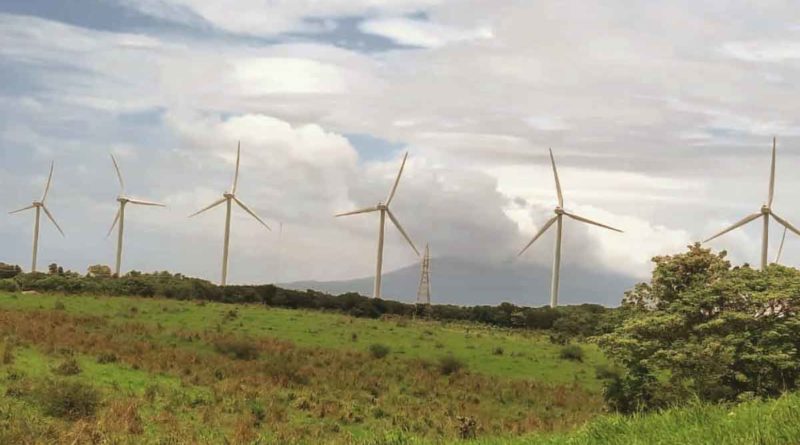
column 172, row 372
column 309, row 377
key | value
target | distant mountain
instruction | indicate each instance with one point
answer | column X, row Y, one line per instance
column 457, row 281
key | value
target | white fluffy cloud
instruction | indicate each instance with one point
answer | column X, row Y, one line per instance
column 660, row 116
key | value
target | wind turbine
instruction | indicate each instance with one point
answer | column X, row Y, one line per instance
column 384, row 210
column 123, row 201
column 764, row 214
column 228, row 198
column 558, row 220
column 39, row 206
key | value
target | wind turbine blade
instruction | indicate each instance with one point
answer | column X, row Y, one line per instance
column 780, row 249
column 538, row 234
column 785, row 223
column 53, row 220
column 400, row 228
column 772, row 177
column 209, row 207
column 558, row 183
column 735, row 226
column 236, row 176
column 21, row 210
column 252, row 213
column 145, row 203
column 114, row 224
column 355, row 212
column 47, row 187
column 397, row 181
column 589, row 221
column 119, row 173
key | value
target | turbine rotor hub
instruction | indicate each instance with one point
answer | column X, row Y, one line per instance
column 765, row 209
column 228, row 195
column 382, row 206
column 559, row 211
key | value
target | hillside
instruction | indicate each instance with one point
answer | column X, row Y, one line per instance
column 144, row 370
column 457, row 281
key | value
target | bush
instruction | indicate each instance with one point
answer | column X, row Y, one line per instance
column 59, row 306
column 239, row 349
column 69, row 366
column 450, row 365
column 498, row 350
column 572, row 352
column 107, row 357
column 9, row 285
column 378, row 350
column 68, row 399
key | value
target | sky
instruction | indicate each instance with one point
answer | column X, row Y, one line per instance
column 660, row 116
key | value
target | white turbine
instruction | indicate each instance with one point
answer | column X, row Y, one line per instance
column 764, row 214
column 39, row 206
column 558, row 220
column 228, row 198
column 119, row 219
column 384, row 210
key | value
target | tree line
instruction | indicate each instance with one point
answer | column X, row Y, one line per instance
column 567, row 322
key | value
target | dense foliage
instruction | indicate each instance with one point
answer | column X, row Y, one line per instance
column 703, row 329
column 566, row 323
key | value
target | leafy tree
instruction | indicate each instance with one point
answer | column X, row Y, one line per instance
column 703, row 329
column 99, row 271
column 9, row 270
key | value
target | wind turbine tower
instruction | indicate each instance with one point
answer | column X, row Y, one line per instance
column 558, row 220
column 765, row 213
column 424, row 291
column 384, row 211
column 39, row 206
column 229, row 198
column 123, row 201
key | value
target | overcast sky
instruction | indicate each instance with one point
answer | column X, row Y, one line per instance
column 660, row 114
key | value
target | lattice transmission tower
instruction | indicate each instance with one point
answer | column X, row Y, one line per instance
column 424, row 292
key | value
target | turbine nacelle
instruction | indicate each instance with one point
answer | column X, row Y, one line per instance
column 559, row 210
column 765, row 210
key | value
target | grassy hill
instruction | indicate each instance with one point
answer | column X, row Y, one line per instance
column 166, row 371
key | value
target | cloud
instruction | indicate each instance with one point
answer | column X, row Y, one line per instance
column 659, row 115
column 268, row 17
column 410, row 32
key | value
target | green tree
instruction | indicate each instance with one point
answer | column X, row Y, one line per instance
column 703, row 329
column 99, row 271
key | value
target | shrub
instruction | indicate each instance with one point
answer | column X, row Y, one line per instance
column 69, row 366
column 107, row 357
column 467, row 427
column 498, row 350
column 68, row 399
column 59, row 306
column 240, row 349
column 572, row 352
column 9, row 285
column 378, row 350
column 450, row 365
